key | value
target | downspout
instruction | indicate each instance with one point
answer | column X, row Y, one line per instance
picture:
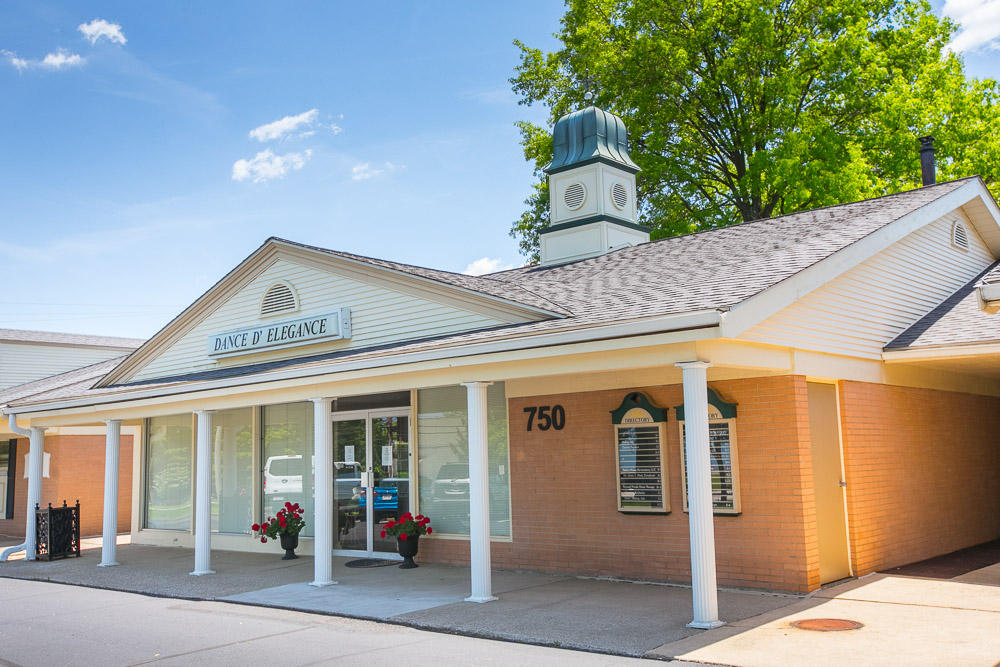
column 36, row 441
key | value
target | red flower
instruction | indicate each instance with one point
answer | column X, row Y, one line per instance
column 390, row 524
column 288, row 505
column 263, row 540
column 255, row 526
column 420, row 517
column 406, row 517
column 429, row 530
column 383, row 533
column 283, row 522
column 295, row 506
column 402, row 536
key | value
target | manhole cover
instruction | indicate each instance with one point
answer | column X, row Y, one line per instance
column 826, row 624
column 371, row 562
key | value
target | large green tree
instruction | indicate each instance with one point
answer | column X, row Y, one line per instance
column 744, row 109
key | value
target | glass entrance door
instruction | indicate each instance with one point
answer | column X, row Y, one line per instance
column 371, row 453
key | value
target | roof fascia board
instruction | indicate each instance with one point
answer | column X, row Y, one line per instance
column 764, row 304
column 988, row 228
column 943, row 352
column 485, row 304
column 706, row 321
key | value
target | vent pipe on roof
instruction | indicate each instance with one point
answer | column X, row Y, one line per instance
column 927, row 167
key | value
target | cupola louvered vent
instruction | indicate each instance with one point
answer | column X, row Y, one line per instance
column 279, row 298
column 574, row 196
column 960, row 236
column 619, row 196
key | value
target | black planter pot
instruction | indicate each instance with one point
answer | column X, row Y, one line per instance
column 289, row 543
column 408, row 549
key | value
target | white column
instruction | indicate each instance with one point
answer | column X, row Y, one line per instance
column 203, row 495
column 36, row 459
column 323, row 505
column 479, row 495
column 699, row 488
column 111, row 448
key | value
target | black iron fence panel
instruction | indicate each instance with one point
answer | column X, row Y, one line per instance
column 57, row 531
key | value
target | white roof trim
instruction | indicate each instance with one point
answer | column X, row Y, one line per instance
column 942, row 352
column 708, row 320
column 759, row 307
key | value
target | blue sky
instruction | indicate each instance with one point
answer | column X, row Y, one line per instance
column 147, row 148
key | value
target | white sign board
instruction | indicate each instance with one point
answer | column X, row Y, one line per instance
column 277, row 335
column 349, row 453
column 386, row 456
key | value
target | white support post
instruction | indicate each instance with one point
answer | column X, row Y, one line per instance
column 323, row 506
column 111, row 454
column 36, row 460
column 699, row 488
column 479, row 495
column 203, row 495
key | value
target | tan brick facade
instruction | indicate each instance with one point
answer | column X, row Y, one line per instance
column 564, row 510
column 923, row 472
column 76, row 470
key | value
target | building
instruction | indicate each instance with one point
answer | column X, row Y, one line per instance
column 25, row 358
column 834, row 373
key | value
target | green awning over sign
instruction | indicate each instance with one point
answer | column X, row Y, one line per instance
column 727, row 410
column 637, row 399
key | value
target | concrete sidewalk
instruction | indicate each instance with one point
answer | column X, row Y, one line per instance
column 907, row 621
column 617, row 617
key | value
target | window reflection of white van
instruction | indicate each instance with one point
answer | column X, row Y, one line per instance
column 283, row 475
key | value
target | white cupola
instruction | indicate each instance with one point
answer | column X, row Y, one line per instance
column 591, row 189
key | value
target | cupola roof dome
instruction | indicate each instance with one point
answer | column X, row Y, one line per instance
column 589, row 135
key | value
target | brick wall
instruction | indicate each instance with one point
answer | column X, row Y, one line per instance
column 923, row 472
column 76, row 468
column 564, row 507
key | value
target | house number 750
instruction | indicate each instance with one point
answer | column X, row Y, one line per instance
column 548, row 417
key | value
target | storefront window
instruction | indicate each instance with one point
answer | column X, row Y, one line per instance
column 232, row 471
column 443, row 456
column 169, row 472
column 7, row 479
column 288, row 460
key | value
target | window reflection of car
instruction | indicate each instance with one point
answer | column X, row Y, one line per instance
column 283, row 475
column 451, row 483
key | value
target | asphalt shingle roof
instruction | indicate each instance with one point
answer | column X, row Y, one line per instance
column 25, row 336
column 956, row 321
column 714, row 269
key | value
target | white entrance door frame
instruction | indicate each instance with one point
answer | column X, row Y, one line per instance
column 368, row 475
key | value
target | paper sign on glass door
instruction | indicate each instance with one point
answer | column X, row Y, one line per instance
column 387, row 455
column 349, row 453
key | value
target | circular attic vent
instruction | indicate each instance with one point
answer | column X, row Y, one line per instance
column 574, row 196
column 619, row 196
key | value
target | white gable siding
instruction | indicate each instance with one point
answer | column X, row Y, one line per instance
column 379, row 315
column 859, row 312
column 26, row 362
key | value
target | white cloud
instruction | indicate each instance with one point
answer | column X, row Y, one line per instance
column 336, row 128
column 286, row 125
column 101, row 29
column 61, row 59
column 20, row 63
column 486, row 265
column 362, row 172
column 979, row 22
column 266, row 165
